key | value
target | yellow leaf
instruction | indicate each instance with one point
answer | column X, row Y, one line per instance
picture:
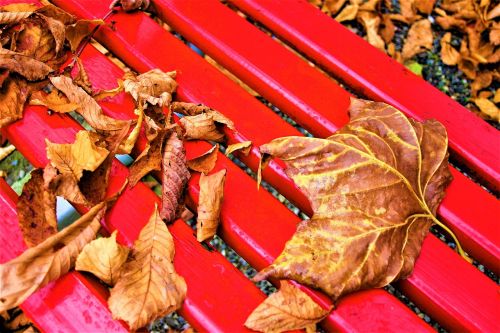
column 210, row 204
column 285, row 310
column 89, row 108
column 6, row 151
column 348, row 13
column 148, row 286
column 47, row 261
column 488, row 108
column 128, row 144
column 155, row 87
column 104, row 258
column 206, row 162
column 244, row 146
column 75, row 157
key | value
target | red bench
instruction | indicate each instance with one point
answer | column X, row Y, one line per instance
column 451, row 291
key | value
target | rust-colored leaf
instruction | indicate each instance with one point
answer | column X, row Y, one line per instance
column 73, row 158
column 104, row 258
column 371, row 22
column 36, row 210
column 449, row 55
column 76, row 32
column 201, row 127
column 285, row 310
column 210, row 204
column 244, row 147
column 206, row 162
column 56, row 13
column 54, row 257
column 148, row 286
column 13, row 95
column 13, row 17
column 387, row 29
column 488, row 108
column 26, row 66
column 89, row 108
column 419, row 39
column 155, row 87
column 175, row 176
column 54, row 101
column 483, row 80
column 374, row 187
column 425, row 6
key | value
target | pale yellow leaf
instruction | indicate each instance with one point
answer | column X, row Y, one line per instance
column 244, row 146
column 6, row 151
column 148, row 287
column 104, row 258
column 128, row 144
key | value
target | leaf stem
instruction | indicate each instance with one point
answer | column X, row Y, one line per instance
column 455, row 239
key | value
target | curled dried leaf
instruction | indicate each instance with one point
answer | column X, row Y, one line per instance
column 193, row 109
column 77, row 32
column 375, row 186
column 201, row 127
column 13, row 95
column 488, row 108
column 26, row 66
column 449, row 55
column 175, row 176
column 244, row 147
column 73, row 158
column 39, row 265
column 210, row 204
column 6, row 151
column 419, row 39
column 127, row 145
column 206, row 162
column 13, row 17
column 371, row 22
column 285, row 310
column 36, row 210
column 104, row 258
column 348, row 13
column 148, row 287
column 155, row 87
column 54, row 101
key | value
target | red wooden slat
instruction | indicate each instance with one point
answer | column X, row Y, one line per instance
column 237, row 230
column 371, row 72
column 272, row 77
column 63, row 312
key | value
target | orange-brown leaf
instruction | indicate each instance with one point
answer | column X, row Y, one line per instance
column 155, row 87
column 285, row 310
column 54, row 101
column 76, row 32
column 26, row 66
column 36, row 210
column 371, row 22
column 244, row 147
column 419, row 39
column 374, row 187
column 13, row 95
column 488, row 108
column 201, row 127
column 193, row 109
column 210, row 204
column 449, row 55
column 206, row 162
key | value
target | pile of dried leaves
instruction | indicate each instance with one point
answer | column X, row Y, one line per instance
column 475, row 23
column 40, row 47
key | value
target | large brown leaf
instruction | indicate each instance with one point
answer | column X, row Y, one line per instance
column 47, row 261
column 13, row 95
column 155, row 87
column 175, row 176
column 374, row 188
column 285, row 310
column 201, row 127
column 148, row 286
column 210, row 204
column 193, row 109
column 26, row 66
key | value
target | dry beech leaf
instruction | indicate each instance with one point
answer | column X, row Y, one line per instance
column 192, row 109
column 13, row 17
column 449, row 55
column 6, row 151
column 148, row 287
column 374, row 187
column 13, row 95
column 206, row 162
column 103, row 257
column 155, row 87
column 39, row 265
column 89, row 108
column 201, row 127
column 76, row 32
column 75, row 157
column 36, row 210
column 26, row 66
column 57, row 30
column 244, row 147
column 210, row 204
column 175, row 176
column 348, row 13
column 488, row 108
column 54, row 101
column 371, row 22
column 285, row 310
column 419, row 39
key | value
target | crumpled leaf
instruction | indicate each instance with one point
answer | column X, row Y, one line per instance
column 331, row 7
column 287, row 309
column 387, row 29
column 78, row 31
column 175, row 176
column 424, row 6
column 104, row 258
column 13, row 17
column 193, row 109
column 201, row 127
column 56, row 13
column 19, row 7
column 36, row 210
column 128, row 144
column 82, row 78
column 54, row 101
column 244, row 146
column 488, row 108
column 348, row 13
column 148, row 287
column 482, row 80
column 155, row 87
column 210, row 204
column 374, row 188
column 371, row 22
column 206, row 162
column 89, row 108
column 13, row 95
column 39, row 265
column 419, row 39
column 26, row 66
column 73, row 158
column 6, row 151
column 449, row 55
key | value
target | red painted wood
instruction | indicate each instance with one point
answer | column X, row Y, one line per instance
column 195, row 75
column 251, row 223
column 375, row 75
